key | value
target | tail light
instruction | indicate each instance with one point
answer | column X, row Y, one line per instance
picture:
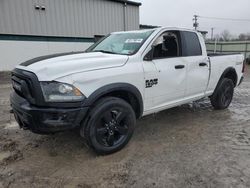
column 243, row 67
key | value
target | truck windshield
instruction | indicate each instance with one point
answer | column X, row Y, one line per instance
column 126, row 43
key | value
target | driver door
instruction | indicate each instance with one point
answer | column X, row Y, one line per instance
column 165, row 75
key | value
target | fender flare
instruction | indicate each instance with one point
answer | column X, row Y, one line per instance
column 227, row 70
column 124, row 87
column 230, row 69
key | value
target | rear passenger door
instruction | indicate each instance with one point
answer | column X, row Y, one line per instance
column 195, row 57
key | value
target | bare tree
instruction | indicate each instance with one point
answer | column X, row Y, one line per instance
column 225, row 35
column 244, row 36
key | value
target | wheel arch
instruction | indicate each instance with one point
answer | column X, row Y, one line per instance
column 125, row 91
column 230, row 73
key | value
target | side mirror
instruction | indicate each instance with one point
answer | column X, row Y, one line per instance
column 149, row 56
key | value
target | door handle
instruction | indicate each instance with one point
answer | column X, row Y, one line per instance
column 179, row 66
column 203, row 64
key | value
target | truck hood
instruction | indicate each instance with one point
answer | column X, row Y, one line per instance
column 51, row 67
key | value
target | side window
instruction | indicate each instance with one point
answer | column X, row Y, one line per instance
column 166, row 45
column 191, row 44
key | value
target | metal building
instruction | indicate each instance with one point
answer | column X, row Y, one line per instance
column 30, row 28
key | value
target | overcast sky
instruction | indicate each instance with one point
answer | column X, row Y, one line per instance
column 180, row 13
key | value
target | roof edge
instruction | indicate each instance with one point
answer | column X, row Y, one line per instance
column 128, row 2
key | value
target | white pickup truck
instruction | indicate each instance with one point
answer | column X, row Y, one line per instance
column 121, row 78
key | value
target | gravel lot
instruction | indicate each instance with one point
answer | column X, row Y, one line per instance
column 188, row 146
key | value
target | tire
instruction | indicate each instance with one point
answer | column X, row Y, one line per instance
column 110, row 125
column 223, row 94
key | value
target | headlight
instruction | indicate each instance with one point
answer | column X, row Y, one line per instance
column 60, row 92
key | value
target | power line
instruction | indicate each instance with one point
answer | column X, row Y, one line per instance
column 225, row 19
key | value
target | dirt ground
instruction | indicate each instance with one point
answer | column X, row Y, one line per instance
column 188, row 146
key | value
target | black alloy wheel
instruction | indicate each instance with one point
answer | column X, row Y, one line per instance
column 110, row 126
column 227, row 95
column 223, row 94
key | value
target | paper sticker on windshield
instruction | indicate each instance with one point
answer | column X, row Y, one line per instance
column 134, row 41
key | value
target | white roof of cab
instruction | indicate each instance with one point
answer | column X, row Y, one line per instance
column 155, row 29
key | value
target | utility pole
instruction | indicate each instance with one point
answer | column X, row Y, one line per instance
column 195, row 24
column 212, row 33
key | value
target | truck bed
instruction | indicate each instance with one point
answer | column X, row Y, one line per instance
column 221, row 54
column 219, row 63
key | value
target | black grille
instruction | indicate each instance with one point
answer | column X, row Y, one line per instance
column 22, row 84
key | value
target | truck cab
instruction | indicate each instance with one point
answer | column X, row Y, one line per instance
column 179, row 60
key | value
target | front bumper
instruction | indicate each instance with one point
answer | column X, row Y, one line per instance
column 45, row 120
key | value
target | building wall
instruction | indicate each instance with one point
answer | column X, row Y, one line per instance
column 133, row 18
column 64, row 19
column 16, row 52
column 70, row 18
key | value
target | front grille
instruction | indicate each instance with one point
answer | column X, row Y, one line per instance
column 22, row 84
